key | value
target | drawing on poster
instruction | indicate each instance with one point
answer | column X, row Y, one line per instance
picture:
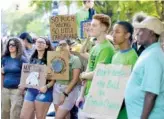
column 33, row 79
column 58, row 65
column 33, row 75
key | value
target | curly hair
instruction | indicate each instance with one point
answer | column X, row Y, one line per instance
column 50, row 48
column 19, row 47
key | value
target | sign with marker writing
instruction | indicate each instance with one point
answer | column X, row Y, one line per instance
column 63, row 26
column 33, row 75
column 85, row 28
column 106, row 94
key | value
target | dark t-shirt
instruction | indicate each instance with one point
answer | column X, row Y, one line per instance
column 40, row 62
column 12, row 71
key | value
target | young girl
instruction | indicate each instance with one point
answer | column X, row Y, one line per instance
column 12, row 98
column 65, row 93
column 38, row 101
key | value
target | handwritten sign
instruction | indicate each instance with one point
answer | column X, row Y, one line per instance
column 58, row 65
column 33, row 75
column 62, row 27
column 107, row 91
column 85, row 28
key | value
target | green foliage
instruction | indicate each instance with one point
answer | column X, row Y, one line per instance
column 38, row 27
column 124, row 10
column 43, row 6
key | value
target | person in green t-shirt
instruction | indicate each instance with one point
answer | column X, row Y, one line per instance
column 65, row 92
column 85, row 13
column 102, row 52
column 122, row 36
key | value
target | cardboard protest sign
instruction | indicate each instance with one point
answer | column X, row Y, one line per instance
column 33, row 75
column 58, row 65
column 107, row 91
column 85, row 28
column 63, row 26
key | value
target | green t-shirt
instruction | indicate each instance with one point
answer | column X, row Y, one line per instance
column 74, row 63
column 127, row 57
column 81, row 15
column 100, row 53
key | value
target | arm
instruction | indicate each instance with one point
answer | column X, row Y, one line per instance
column 81, row 97
column 50, row 84
column 85, row 46
column 83, row 55
column 151, row 85
column 87, row 75
column 75, row 79
column 148, row 104
column 44, row 89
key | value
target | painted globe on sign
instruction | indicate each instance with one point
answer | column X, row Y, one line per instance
column 57, row 65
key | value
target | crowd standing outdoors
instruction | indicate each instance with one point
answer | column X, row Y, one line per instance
column 140, row 44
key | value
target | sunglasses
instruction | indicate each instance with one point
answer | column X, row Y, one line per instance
column 12, row 45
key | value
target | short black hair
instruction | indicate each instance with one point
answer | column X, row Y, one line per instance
column 128, row 27
column 26, row 36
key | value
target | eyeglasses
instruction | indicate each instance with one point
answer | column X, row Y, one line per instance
column 12, row 45
column 40, row 42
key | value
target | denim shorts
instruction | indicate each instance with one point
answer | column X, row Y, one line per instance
column 34, row 95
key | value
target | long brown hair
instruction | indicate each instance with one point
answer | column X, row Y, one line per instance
column 19, row 48
column 50, row 48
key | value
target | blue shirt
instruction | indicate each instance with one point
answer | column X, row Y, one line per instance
column 28, row 52
column 12, row 69
column 147, row 76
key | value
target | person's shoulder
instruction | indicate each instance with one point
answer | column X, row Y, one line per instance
column 79, row 11
column 24, row 59
column 109, row 44
column 74, row 57
column 133, row 53
column 4, row 58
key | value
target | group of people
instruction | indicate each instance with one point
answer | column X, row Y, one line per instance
column 140, row 44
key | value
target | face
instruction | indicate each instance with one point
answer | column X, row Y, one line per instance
column 120, row 35
column 25, row 42
column 90, row 3
column 41, row 44
column 143, row 35
column 64, row 46
column 12, row 47
column 96, row 28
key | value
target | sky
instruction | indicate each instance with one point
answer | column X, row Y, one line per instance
column 5, row 4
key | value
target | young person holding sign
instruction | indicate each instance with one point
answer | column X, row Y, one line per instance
column 38, row 101
column 102, row 52
column 122, row 36
column 65, row 92
column 12, row 98
column 85, row 13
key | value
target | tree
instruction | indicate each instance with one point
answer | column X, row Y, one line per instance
column 124, row 10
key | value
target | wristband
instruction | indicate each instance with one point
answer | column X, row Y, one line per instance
column 65, row 94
